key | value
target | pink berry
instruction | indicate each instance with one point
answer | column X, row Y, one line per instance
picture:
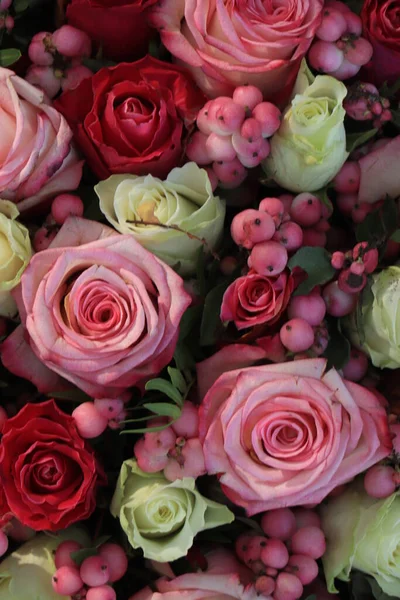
column 247, row 96
column 350, row 282
column 9, row 22
column 359, row 51
column 109, row 407
column 254, row 547
column 265, row 585
column 347, row 203
column 73, row 76
column 147, row 460
column 379, row 481
column 297, row 335
column 271, row 572
column 72, row 42
column 251, row 130
column 304, row 567
column 257, row 156
column 101, row 592
column 279, row 523
column 116, row 559
column 251, row 227
column 62, row 556
column 269, row 117
column 357, row 366
column 67, row 581
column 187, row 425
column 160, row 442
column 275, row 554
column 3, row 543
column 225, row 117
column 89, row 422
column 196, row 150
column 39, row 50
column 347, row 181
column 5, row 4
column 338, row 303
column 306, row 209
column 290, row 235
column 345, row 71
column 325, row 57
column 244, row 147
column 309, row 541
column 268, row 258
column 354, row 23
column 189, row 461
column 220, row 147
column 94, row 571
column 332, row 27
column 306, row 518
column 241, row 545
column 288, row 587
column 212, row 177
column 369, row 256
column 310, row 308
column 66, row 205
column 203, row 119
column 337, row 260
column 357, row 267
column 45, row 79
column 314, row 238
column 274, row 207
column 230, row 173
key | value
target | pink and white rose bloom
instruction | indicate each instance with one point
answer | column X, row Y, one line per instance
column 226, row 43
column 98, row 310
column 288, row 434
column 37, row 159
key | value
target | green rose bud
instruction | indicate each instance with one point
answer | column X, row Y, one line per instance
column 15, row 253
column 26, row 573
column 362, row 533
column 160, row 516
column 309, row 148
column 377, row 331
column 184, row 200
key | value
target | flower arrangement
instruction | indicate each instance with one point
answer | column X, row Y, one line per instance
column 199, row 291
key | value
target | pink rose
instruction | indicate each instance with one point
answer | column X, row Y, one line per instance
column 236, row 42
column 288, row 434
column 379, row 171
column 224, row 578
column 97, row 309
column 37, row 160
column 255, row 300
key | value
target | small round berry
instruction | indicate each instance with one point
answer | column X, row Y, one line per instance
column 288, row 587
column 196, row 149
column 325, row 57
column 338, row 303
column 337, row 260
column 275, row 554
column 304, row 567
column 269, row 117
column 265, row 585
column 306, row 209
column 63, row 553
column 279, row 523
column 102, row 592
column 332, row 27
column 250, row 227
column 310, row 308
column 116, row 559
column 220, row 148
column 109, row 408
column 357, row 366
column 72, row 42
column 297, row 335
column 309, row 541
column 247, row 96
column 67, row 581
column 89, row 422
column 187, row 425
column 274, row 207
column 268, row 258
column 290, row 235
column 305, row 517
column 379, row 481
column 347, row 181
column 66, row 205
column 94, row 571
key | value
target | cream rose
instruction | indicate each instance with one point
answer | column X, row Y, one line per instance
column 160, row 516
column 15, row 252
column 310, row 146
column 185, row 200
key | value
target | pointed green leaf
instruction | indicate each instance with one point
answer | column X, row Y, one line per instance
column 9, row 56
column 165, row 387
column 177, row 379
column 211, row 323
column 316, row 263
column 163, row 409
column 354, row 140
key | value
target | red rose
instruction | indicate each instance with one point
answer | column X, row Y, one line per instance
column 48, row 472
column 119, row 27
column 133, row 118
column 255, row 300
column 381, row 26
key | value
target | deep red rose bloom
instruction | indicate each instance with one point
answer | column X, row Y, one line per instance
column 119, row 27
column 256, row 300
column 48, row 472
column 133, row 118
column 381, row 26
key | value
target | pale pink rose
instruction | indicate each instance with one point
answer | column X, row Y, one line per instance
column 224, row 578
column 37, row 160
column 288, row 434
column 226, row 43
column 380, row 172
column 98, row 310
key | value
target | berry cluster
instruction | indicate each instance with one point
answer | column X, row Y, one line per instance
column 176, row 449
column 93, row 418
column 57, row 59
column 339, row 49
column 354, row 266
column 6, row 20
column 284, row 559
column 63, row 206
column 232, row 135
column 364, row 103
column 91, row 580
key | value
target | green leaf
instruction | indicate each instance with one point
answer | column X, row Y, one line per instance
column 165, row 387
column 211, row 324
column 177, row 379
column 9, row 56
column 163, row 409
column 379, row 225
column 20, row 5
column 183, row 357
column 316, row 263
column 395, row 237
column 322, row 194
column 190, row 317
column 354, row 140
column 72, row 395
column 102, row 540
column 338, row 350
column 80, row 555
